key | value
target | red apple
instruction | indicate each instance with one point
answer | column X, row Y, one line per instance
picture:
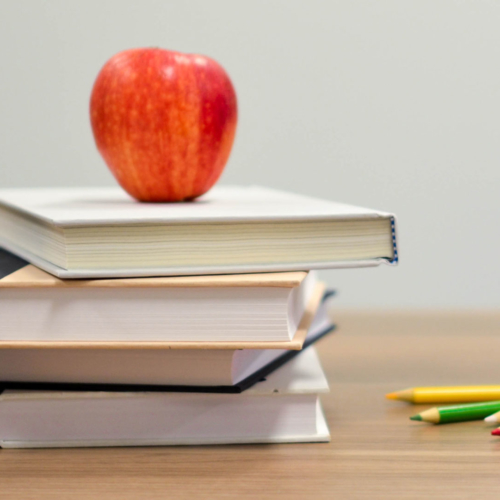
column 164, row 122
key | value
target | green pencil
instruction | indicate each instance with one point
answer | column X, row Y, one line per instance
column 458, row 413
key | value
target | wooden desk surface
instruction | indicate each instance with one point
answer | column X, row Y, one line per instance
column 376, row 452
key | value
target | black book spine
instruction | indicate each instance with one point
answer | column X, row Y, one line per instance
column 9, row 263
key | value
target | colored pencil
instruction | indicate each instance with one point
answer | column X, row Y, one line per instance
column 459, row 413
column 457, row 394
column 496, row 432
column 493, row 418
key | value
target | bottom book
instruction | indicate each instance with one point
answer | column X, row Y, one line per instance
column 284, row 408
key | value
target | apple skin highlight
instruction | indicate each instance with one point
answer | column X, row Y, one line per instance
column 164, row 122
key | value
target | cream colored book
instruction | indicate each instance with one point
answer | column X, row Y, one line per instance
column 101, row 232
column 285, row 408
column 271, row 310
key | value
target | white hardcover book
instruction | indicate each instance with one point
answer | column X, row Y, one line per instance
column 284, row 408
column 102, row 232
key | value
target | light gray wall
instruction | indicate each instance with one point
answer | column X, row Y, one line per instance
column 389, row 104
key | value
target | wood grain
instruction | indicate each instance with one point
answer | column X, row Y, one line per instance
column 375, row 453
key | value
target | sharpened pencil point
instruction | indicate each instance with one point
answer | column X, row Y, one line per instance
column 491, row 418
column 416, row 417
column 495, row 432
column 392, row 395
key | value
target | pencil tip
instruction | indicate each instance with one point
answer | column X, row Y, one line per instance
column 416, row 417
column 495, row 432
column 392, row 395
column 491, row 418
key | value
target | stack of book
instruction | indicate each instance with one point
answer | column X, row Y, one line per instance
column 126, row 323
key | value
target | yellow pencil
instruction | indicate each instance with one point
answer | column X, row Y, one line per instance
column 454, row 394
